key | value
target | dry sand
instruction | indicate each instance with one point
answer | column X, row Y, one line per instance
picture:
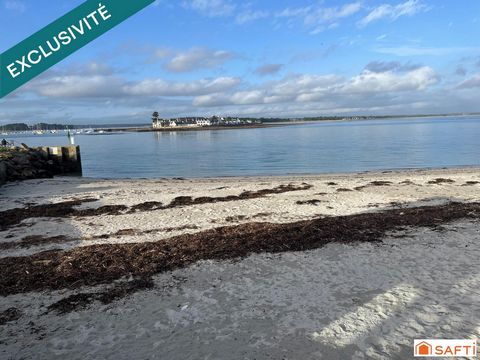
column 361, row 301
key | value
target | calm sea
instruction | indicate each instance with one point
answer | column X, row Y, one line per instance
column 314, row 148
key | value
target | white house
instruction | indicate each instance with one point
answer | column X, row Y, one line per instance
column 204, row 122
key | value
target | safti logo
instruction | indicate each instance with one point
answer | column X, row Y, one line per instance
column 423, row 349
column 444, row 348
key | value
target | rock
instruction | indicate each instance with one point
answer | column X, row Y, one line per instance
column 27, row 174
column 22, row 159
column 3, row 172
column 23, row 163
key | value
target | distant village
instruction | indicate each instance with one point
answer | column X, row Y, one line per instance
column 158, row 123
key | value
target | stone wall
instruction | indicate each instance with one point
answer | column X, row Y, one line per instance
column 22, row 163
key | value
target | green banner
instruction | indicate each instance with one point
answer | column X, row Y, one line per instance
column 61, row 38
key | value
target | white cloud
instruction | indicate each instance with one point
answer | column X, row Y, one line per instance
column 333, row 14
column 293, row 85
column 393, row 12
column 89, row 69
column 15, row 5
column 318, row 17
column 250, row 15
column 389, row 81
column 211, row 8
column 378, row 13
column 111, row 86
column 78, row 86
column 198, row 58
column 314, row 88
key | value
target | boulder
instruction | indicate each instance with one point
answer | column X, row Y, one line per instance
column 3, row 172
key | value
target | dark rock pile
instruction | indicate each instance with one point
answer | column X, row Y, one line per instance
column 23, row 163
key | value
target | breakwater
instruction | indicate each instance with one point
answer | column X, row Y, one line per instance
column 23, row 163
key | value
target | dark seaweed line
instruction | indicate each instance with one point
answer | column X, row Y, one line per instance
column 38, row 240
column 103, row 264
column 66, row 209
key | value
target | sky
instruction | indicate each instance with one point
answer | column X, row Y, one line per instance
column 258, row 58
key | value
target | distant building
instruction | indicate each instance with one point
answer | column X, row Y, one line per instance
column 204, row 122
column 158, row 123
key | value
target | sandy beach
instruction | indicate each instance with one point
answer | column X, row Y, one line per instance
column 341, row 266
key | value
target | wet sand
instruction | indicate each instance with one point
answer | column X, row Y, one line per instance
column 332, row 266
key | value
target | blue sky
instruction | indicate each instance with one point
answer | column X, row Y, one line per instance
column 255, row 58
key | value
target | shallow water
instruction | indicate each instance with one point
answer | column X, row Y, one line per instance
column 325, row 147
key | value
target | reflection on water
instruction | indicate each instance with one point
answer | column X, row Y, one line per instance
column 309, row 148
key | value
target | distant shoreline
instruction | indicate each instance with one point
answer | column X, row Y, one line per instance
column 193, row 128
column 271, row 124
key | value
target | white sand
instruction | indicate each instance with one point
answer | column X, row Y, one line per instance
column 364, row 301
column 274, row 208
